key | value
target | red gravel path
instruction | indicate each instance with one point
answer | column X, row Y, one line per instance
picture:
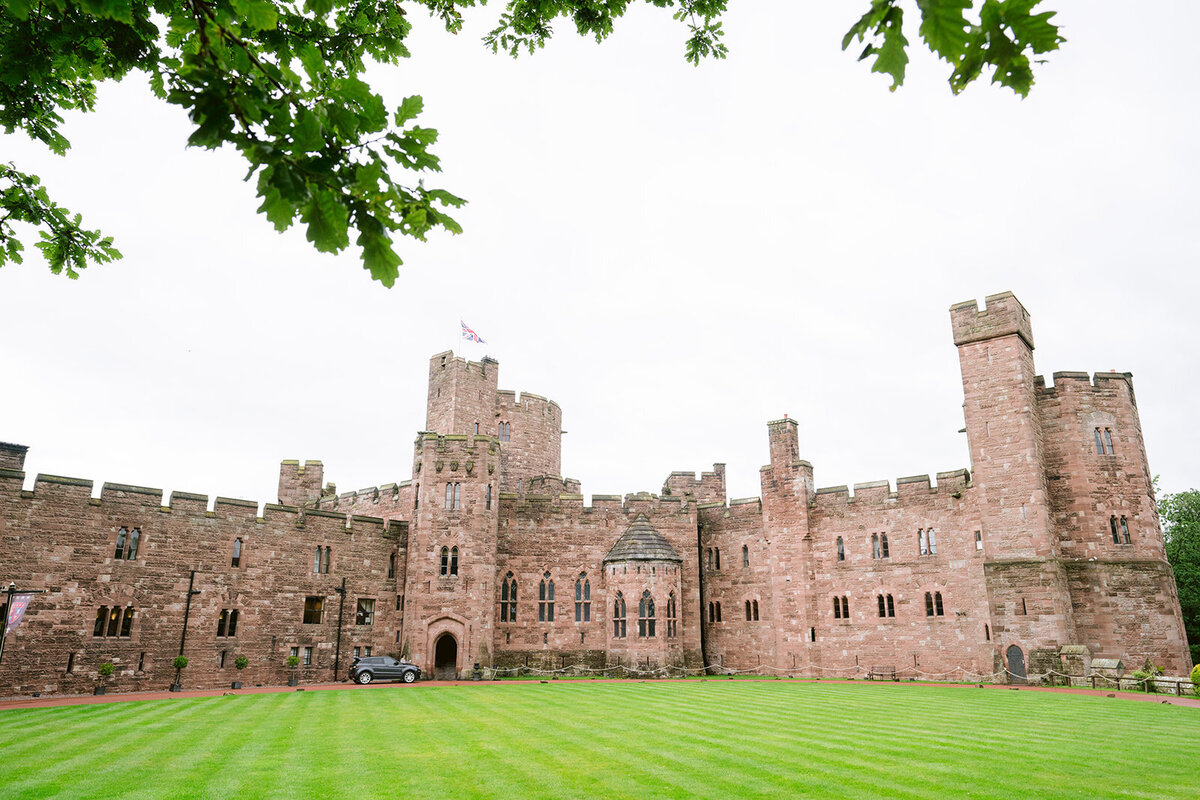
column 80, row 700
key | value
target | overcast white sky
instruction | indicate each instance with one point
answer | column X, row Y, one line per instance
column 675, row 255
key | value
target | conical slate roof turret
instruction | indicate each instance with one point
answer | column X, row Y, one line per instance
column 642, row 543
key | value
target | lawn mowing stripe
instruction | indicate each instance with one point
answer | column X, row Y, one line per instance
column 707, row 739
column 92, row 759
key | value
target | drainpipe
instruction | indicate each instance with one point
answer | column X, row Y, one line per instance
column 337, row 653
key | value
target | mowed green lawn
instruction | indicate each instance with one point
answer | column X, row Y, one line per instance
column 720, row 739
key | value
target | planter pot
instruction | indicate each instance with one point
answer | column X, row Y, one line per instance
column 99, row 690
column 236, row 685
column 175, row 687
column 293, row 682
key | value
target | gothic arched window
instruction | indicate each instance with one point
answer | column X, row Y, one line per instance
column 546, row 599
column 646, row 615
column 583, row 599
column 619, row 616
column 508, row 599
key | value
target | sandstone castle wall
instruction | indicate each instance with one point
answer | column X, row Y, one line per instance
column 1049, row 539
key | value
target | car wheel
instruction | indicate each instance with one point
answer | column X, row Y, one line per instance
column 410, row 676
column 364, row 678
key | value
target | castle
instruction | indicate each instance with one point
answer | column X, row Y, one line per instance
column 1048, row 545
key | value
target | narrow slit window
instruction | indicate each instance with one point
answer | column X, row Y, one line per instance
column 874, row 545
column 922, row 542
column 718, row 611
column 928, row 604
column 717, row 557
column 619, row 616
column 444, row 567
column 883, row 545
column 122, row 536
column 747, row 611
column 1108, row 442
column 841, row 549
column 978, row 540
column 328, row 562
column 845, row 607
column 134, row 536
column 891, row 606
column 937, row 603
column 457, row 496
column 101, row 619
column 1112, row 524
column 932, row 542
column 391, row 565
column 882, row 606
column 1125, row 532
column 317, row 560
column 449, row 496
column 127, row 622
column 755, row 604
column 453, row 561
column 837, row 608
column 114, row 621
column 1099, row 443
column 745, row 556
column 236, row 560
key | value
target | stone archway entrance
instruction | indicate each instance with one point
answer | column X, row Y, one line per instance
column 445, row 658
column 1016, row 665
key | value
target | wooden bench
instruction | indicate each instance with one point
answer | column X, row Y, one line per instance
column 881, row 674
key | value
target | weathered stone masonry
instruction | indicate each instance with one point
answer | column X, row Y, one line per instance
column 487, row 555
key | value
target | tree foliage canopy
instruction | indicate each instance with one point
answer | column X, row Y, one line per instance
column 282, row 82
column 1180, row 513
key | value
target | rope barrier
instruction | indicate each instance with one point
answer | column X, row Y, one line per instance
column 962, row 674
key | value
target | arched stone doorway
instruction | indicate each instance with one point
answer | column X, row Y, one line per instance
column 1016, row 665
column 445, row 658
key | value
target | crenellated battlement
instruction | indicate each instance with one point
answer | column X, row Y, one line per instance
column 73, row 496
column 527, row 402
column 629, row 504
column 552, row 484
column 1076, row 381
column 708, row 487
column 950, row 484
column 1002, row 315
column 12, row 456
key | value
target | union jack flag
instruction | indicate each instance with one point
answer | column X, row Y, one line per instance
column 469, row 334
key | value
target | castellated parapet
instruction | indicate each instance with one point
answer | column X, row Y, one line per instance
column 1047, row 542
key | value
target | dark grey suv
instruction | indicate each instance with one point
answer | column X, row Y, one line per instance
column 382, row 668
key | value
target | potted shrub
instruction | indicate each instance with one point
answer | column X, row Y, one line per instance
column 240, row 663
column 104, row 671
column 179, row 664
column 293, row 662
column 1196, row 679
